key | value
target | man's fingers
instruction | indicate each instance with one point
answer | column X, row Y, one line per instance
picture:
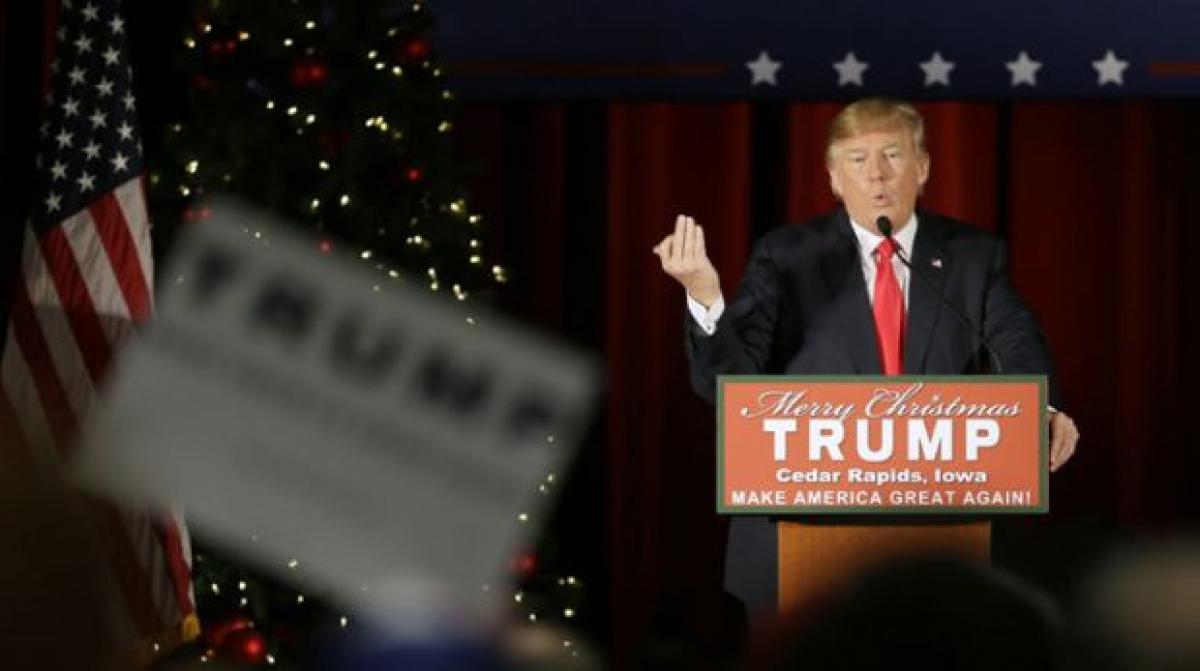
column 685, row 241
column 1063, row 436
column 701, row 252
column 1056, row 439
column 693, row 240
column 677, row 238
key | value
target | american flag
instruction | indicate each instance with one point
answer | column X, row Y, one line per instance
column 86, row 284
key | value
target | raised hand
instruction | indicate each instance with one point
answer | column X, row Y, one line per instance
column 684, row 258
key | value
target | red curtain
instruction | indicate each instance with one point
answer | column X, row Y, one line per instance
column 1090, row 196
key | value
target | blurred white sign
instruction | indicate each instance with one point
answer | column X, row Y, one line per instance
column 377, row 438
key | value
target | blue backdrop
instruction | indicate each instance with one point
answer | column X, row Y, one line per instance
column 684, row 49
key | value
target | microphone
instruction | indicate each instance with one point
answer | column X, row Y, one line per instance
column 885, row 228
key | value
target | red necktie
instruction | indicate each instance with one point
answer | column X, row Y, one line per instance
column 889, row 310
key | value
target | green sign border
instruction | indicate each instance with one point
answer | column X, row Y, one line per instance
column 982, row 511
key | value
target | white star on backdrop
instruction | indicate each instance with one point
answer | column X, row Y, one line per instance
column 76, row 75
column 92, row 150
column 850, row 69
column 763, row 69
column 71, row 107
column 53, row 202
column 59, row 170
column 1110, row 69
column 1024, row 70
column 937, row 70
column 119, row 162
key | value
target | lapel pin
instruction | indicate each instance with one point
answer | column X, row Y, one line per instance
column 936, row 263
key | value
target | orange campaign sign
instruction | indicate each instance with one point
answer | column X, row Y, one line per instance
column 897, row 444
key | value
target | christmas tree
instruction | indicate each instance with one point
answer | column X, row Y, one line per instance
column 336, row 117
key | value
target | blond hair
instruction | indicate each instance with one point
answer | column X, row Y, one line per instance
column 875, row 114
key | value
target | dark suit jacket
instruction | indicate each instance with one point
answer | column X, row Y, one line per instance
column 803, row 309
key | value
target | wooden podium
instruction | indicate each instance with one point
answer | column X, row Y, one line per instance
column 817, row 559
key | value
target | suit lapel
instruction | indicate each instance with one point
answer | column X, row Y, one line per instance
column 924, row 302
column 842, row 270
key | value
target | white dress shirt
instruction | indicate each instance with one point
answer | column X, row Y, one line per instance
column 867, row 242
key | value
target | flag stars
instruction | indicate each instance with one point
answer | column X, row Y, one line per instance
column 98, row 119
column 117, row 25
column 90, row 12
column 92, row 150
column 763, row 69
column 76, row 75
column 71, row 107
column 86, row 182
column 64, row 138
column 937, row 70
column 58, row 171
column 127, row 99
column 1110, row 69
column 104, row 87
column 850, row 70
column 111, row 56
column 44, row 129
column 1024, row 70
column 53, row 202
column 84, row 44
column 125, row 131
column 120, row 162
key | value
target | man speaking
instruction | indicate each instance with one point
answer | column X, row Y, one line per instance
column 836, row 296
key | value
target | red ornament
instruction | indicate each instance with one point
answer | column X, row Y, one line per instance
column 218, row 633
column 219, row 48
column 416, row 49
column 307, row 72
column 244, row 645
column 414, row 175
column 324, row 245
column 524, row 564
